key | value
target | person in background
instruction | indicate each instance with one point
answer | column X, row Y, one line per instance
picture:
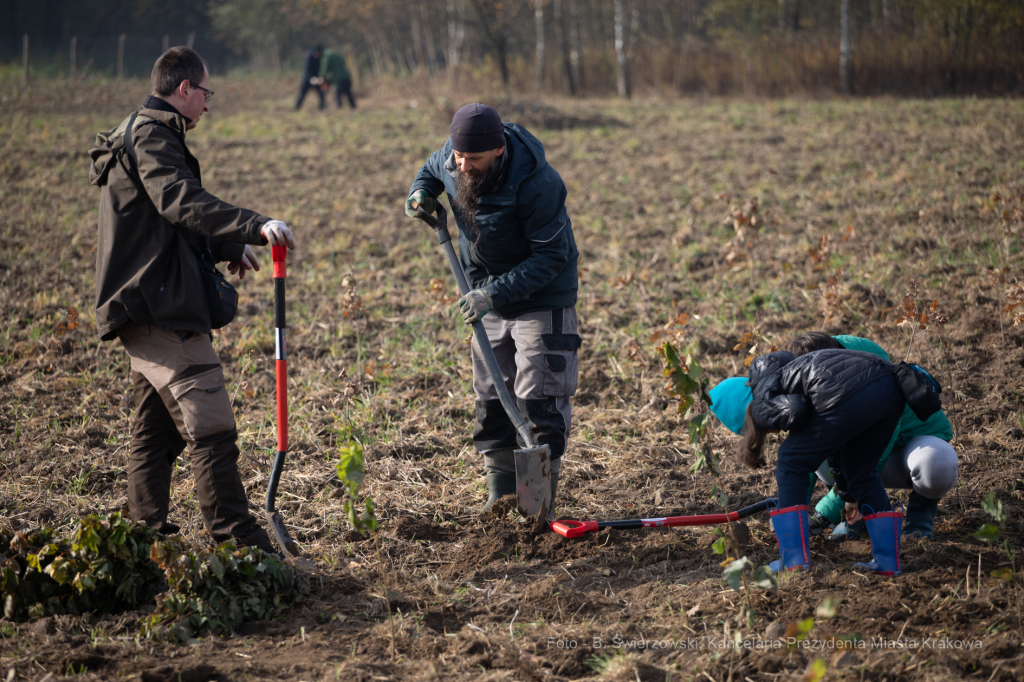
column 332, row 70
column 311, row 76
column 918, row 457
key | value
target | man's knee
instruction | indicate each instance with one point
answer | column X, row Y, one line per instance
column 552, row 426
column 933, row 466
column 203, row 402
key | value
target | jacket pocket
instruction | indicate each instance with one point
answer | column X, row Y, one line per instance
column 204, row 404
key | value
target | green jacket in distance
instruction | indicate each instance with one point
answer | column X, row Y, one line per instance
column 909, row 427
column 332, row 67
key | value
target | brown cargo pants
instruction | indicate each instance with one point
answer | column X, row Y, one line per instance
column 181, row 400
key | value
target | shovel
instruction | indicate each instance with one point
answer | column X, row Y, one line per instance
column 284, row 541
column 577, row 529
column 533, row 463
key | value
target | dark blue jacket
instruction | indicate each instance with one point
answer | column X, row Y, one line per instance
column 525, row 254
column 787, row 388
column 311, row 67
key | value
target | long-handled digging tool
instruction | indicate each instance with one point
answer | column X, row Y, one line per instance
column 577, row 529
column 533, row 462
column 279, row 254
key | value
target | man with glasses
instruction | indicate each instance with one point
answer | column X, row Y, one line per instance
column 159, row 231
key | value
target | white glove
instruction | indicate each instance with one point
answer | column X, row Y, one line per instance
column 247, row 262
column 278, row 234
column 315, row 81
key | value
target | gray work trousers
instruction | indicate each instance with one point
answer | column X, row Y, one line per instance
column 537, row 354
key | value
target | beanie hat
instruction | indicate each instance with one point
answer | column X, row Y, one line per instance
column 729, row 401
column 477, row 128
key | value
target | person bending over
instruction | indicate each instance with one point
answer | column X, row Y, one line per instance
column 918, row 457
column 840, row 407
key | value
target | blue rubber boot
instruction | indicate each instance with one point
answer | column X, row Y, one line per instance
column 793, row 533
column 884, row 529
column 920, row 521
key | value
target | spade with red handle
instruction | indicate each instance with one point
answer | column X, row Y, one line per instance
column 577, row 529
column 279, row 254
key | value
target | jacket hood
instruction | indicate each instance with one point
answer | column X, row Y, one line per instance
column 529, row 163
column 769, row 364
column 729, row 401
column 105, row 152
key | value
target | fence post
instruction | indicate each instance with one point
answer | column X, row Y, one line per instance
column 24, row 60
column 167, row 44
column 74, row 57
column 120, row 54
column 191, row 39
column 275, row 53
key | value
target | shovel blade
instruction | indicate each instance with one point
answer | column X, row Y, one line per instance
column 284, row 541
column 533, row 481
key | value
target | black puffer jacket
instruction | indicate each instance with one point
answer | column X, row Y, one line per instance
column 787, row 388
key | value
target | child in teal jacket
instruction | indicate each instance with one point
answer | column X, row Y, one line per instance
column 919, row 455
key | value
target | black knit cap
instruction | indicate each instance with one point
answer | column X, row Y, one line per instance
column 477, row 128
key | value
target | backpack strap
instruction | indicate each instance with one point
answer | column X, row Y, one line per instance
column 136, row 176
column 129, row 147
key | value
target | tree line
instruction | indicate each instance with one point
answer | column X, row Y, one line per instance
column 591, row 47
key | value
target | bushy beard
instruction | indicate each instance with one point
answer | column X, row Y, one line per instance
column 469, row 187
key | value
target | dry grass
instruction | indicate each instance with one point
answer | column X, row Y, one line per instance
column 375, row 353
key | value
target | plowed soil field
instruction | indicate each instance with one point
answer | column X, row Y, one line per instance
column 858, row 198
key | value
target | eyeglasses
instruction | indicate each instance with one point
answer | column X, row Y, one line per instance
column 208, row 94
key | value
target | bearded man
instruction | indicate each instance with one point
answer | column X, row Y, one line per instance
column 517, row 250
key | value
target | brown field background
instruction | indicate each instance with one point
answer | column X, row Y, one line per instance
column 861, row 197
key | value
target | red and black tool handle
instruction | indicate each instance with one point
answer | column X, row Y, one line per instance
column 576, row 529
column 279, row 254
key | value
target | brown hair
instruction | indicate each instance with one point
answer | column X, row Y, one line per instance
column 752, row 445
column 174, row 66
column 812, row 341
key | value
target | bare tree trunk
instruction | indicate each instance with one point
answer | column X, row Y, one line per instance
column 166, row 45
column 622, row 73
column 563, row 48
column 120, row 54
column 495, row 33
column 417, row 41
column 576, row 53
column 24, row 60
column 275, row 53
column 74, row 57
column 844, row 47
column 538, row 20
column 428, row 35
column 191, row 40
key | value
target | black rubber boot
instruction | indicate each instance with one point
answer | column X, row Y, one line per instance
column 498, row 485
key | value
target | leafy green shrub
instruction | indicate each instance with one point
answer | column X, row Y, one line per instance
column 105, row 567
column 216, row 590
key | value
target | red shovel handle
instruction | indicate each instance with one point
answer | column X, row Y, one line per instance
column 574, row 529
column 280, row 255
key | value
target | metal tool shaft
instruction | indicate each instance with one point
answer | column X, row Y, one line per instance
column 520, row 422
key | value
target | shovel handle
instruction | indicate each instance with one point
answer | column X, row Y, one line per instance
column 440, row 226
column 279, row 254
column 574, row 529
